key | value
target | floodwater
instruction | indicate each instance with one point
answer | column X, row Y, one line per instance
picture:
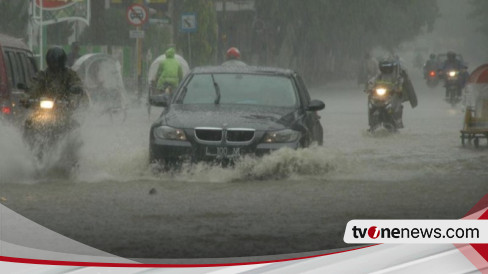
column 286, row 202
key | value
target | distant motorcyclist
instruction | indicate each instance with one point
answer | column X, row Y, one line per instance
column 58, row 81
column 393, row 75
column 430, row 65
column 368, row 69
column 170, row 72
column 233, row 56
column 454, row 64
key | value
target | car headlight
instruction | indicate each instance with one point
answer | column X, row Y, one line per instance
column 281, row 136
column 46, row 104
column 169, row 133
column 452, row 73
column 381, row 91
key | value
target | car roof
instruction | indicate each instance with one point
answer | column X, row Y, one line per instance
column 13, row 42
column 243, row 70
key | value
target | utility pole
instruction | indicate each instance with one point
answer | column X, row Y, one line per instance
column 172, row 13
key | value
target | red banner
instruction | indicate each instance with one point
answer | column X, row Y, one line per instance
column 49, row 4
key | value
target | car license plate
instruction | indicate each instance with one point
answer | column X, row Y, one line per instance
column 223, row 152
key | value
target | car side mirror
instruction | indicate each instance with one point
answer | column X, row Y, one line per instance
column 159, row 100
column 316, row 105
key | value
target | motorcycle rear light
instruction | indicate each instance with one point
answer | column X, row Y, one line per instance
column 432, row 73
column 6, row 110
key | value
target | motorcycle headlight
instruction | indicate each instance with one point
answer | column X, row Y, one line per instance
column 381, row 91
column 452, row 73
column 282, row 136
column 169, row 133
column 46, row 104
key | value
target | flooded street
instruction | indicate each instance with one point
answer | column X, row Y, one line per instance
column 286, row 202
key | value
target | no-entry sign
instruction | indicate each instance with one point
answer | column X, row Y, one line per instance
column 137, row 15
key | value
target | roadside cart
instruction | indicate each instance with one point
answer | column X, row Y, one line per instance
column 102, row 81
column 476, row 115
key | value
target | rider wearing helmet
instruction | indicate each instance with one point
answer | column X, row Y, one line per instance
column 57, row 80
column 170, row 72
column 453, row 63
column 393, row 75
column 233, row 57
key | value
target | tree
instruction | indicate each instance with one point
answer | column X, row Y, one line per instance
column 204, row 41
column 317, row 37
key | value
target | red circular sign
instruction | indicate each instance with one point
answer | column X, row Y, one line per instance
column 137, row 14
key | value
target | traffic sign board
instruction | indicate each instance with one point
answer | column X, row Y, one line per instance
column 189, row 22
column 137, row 14
column 136, row 34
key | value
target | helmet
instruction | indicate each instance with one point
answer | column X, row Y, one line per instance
column 56, row 58
column 387, row 66
column 233, row 53
column 451, row 55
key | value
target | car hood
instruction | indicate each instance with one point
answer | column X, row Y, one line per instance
column 229, row 116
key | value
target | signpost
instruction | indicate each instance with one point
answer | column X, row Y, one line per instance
column 188, row 24
column 137, row 15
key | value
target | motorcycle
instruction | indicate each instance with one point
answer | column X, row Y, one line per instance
column 432, row 79
column 453, row 85
column 380, row 109
column 47, row 131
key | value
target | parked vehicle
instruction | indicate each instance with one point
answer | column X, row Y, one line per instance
column 17, row 69
column 476, row 115
column 221, row 113
column 102, row 80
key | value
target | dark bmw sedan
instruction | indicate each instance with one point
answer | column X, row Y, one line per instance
column 222, row 113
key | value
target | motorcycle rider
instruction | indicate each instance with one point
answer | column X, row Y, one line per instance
column 58, row 81
column 430, row 65
column 393, row 75
column 233, row 56
column 452, row 63
column 170, row 72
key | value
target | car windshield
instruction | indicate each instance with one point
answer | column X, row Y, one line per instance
column 246, row 89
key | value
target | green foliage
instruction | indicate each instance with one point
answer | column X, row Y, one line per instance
column 342, row 29
column 203, row 42
column 14, row 18
column 110, row 27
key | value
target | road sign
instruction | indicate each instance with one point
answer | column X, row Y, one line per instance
column 136, row 34
column 137, row 14
column 188, row 22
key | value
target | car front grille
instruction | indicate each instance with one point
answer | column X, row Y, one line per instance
column 232, row 135
column 209, row 134
column 239, row 135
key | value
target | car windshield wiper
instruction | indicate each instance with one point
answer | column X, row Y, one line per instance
column 217, row 90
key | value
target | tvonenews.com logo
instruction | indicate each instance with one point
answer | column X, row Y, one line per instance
column 416, row 231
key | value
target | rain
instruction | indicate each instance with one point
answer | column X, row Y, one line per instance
column 286, row 202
